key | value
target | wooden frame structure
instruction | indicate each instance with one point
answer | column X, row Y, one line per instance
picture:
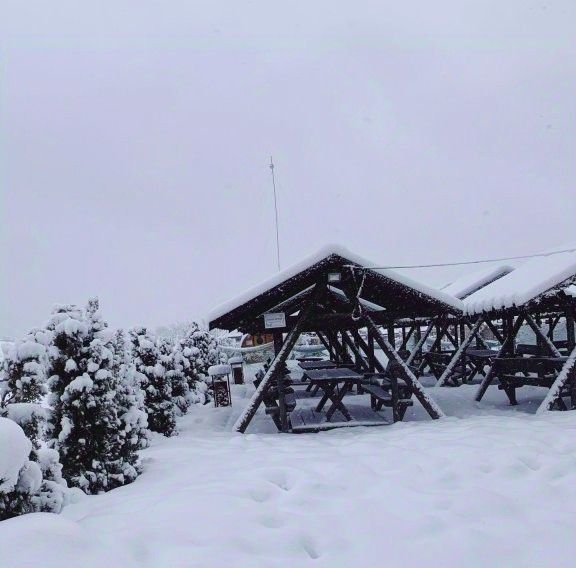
column 457, row 332
column 539, row 295
column 334, row 294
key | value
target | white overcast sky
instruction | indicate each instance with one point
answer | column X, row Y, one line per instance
column 135, row 137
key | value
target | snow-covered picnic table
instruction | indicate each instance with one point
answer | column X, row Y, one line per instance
column 335, row 382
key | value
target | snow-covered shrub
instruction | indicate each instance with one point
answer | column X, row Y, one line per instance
column 156, row 385
column 20, row 478
column 25, row 371
column 130, row 397
column 197, row 351
column 53, row 493
column 172, row 362
column 86, row 424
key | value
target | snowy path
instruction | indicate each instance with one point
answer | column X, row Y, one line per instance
column 497, row 488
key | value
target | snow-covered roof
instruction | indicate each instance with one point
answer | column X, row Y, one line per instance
column 472, row 281
column 325, row 252
column 526, row 283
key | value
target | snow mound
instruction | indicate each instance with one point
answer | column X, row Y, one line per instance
column 216, row 370
column 14, row 451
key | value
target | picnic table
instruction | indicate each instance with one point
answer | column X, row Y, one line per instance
column 335, row 383
column 516, row 372
column 317, row 364
column 478, row 359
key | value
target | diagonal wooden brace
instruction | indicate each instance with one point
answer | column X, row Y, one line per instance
column 545, row 339
column 567, row 372
column 246, row 417
column 420, row 343
column 508, row 340
column 458, row 355
column 428, row 403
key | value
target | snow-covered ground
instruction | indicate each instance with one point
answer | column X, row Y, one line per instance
column 490, row 485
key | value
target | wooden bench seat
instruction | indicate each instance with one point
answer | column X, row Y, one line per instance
column 381, row 396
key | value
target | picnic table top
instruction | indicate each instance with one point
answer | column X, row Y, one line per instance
column 323, row 364
column 333, row 374
column 481, row 353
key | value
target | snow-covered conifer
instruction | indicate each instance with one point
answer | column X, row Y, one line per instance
column 173, row 363
column 86, row 424
column 198, row 350
column 130, row 396
column 157, row 387
column 25, row 371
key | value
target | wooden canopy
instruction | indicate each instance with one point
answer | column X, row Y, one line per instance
column 332, row 293
column 538, row 292
column 384, row 294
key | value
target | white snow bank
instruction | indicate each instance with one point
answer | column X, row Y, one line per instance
column 52, row 541
column 528, row 281
column 497, row 489
column 14, row 451
column 311, row 260
column 473, row 281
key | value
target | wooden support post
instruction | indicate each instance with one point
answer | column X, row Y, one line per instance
column 566, row 374
column 282, row 415
column 507, row 346
column 429, row 404
column 360, row 363
column 546, row 341
column 391, row 335
column 368, row 348
column 571, row 338
column 245, row 418
column 420, row 344
column 333, row 350
column 326, row 343
column 458, row 355
column 339, row 348
column 480, row 342
column 462, row 327
column 406, row 337
column 495, row 331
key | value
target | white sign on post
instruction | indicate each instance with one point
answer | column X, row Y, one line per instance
column 276, row 320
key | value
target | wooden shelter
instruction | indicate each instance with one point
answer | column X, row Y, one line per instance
column 334, row 294
column 539, row 295
column 450, row 332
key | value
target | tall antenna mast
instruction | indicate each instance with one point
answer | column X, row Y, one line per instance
column 276, row 214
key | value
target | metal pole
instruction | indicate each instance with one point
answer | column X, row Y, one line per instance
column 276, row 214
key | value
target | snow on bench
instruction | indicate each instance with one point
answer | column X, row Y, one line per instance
column 219, row 370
